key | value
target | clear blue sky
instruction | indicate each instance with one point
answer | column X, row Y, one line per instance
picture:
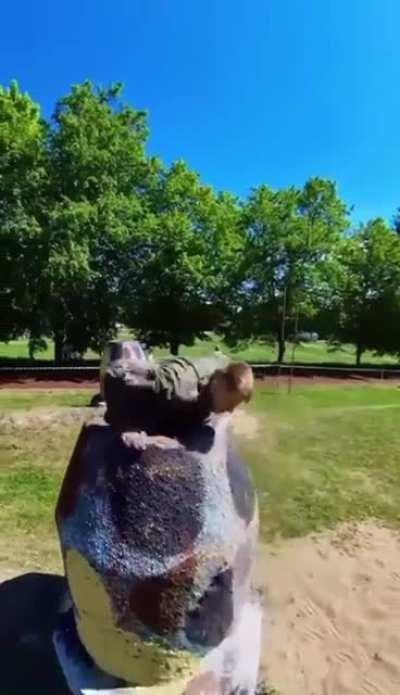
column 247, row 91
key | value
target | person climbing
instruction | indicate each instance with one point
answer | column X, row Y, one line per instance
column 179, row 391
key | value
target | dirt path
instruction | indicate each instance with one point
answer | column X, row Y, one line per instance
column 332, row 626
column 50, row 384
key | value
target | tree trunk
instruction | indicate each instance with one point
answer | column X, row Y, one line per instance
column 174, row 347
column 58, row 347
column 281, row 350
column 359, row 352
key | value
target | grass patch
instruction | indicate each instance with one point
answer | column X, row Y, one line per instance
column 319, row 352
column 18, row 349
column 32, row 465
column 325, row 455
column 32, row 491
column 321, row 456
column 14, row 399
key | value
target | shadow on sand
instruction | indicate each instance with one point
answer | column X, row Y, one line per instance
column 28, row 613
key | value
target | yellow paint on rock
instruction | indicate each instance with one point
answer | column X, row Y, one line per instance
column 120, row 653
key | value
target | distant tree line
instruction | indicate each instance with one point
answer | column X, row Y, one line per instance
column 94, row 232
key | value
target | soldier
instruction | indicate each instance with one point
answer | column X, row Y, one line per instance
column 146, row 398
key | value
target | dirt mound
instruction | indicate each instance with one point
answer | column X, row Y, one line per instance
column 53, row 416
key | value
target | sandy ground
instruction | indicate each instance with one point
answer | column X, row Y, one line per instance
column 332, row 619
column 332, row 612
column 52, row 416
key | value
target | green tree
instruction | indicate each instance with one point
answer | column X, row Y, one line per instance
column 97, row 145
column 83, row 278
column 23, row 184
column 99, row 174
column 396, row 221
column 291, row 237
column 180, row 273
column 366, row 305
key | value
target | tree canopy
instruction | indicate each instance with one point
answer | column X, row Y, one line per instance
column 367, row 298
column 94, row 231
column 291, row 236
column 23, row 186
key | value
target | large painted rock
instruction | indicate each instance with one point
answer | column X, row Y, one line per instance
column 158, row 547
column 119, row 350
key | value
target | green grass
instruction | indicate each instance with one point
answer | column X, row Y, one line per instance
column 32, row 465
column 325, row 455
column 257, row 352
column 18, row 349
column 33, row 491
column 14, row 399
column 322, row 455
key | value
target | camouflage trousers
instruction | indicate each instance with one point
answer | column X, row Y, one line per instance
column 177, row 378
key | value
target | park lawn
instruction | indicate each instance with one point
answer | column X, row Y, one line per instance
column 319, row 352
column 32, row 465
column 25, row 399
column 320, row 456
column 325, row 455
column 18, row 349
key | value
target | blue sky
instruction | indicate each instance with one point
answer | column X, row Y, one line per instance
column 246, row 91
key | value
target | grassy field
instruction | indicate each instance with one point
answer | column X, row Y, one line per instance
column 32, row 463
column 319, row 456
column 257, row 352
column 325, row 455
column 11, row 399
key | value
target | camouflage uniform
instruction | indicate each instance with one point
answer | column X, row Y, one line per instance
column 141, row 394
column 175, row 378
column 183, row 379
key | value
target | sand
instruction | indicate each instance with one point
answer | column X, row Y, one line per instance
column 332, row 621
column 53, row 416
column 332, row 612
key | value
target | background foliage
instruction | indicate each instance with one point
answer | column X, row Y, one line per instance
column 94, row 232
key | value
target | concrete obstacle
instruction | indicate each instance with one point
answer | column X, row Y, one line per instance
column 158, row 547
column 119, row 350
column 116, row 350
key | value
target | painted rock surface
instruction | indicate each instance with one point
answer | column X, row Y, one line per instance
column 158, row 548
column 117, row 350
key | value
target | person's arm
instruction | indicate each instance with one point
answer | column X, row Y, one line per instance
column 141, row 440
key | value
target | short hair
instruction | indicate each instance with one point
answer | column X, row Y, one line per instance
column 239, row 377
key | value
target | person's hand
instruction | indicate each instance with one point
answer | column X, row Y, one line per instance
column 141, row 440
column 135, row 440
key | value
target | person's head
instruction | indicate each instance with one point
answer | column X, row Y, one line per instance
column 231, row 386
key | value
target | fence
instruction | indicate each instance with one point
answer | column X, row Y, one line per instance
column 10, row 373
